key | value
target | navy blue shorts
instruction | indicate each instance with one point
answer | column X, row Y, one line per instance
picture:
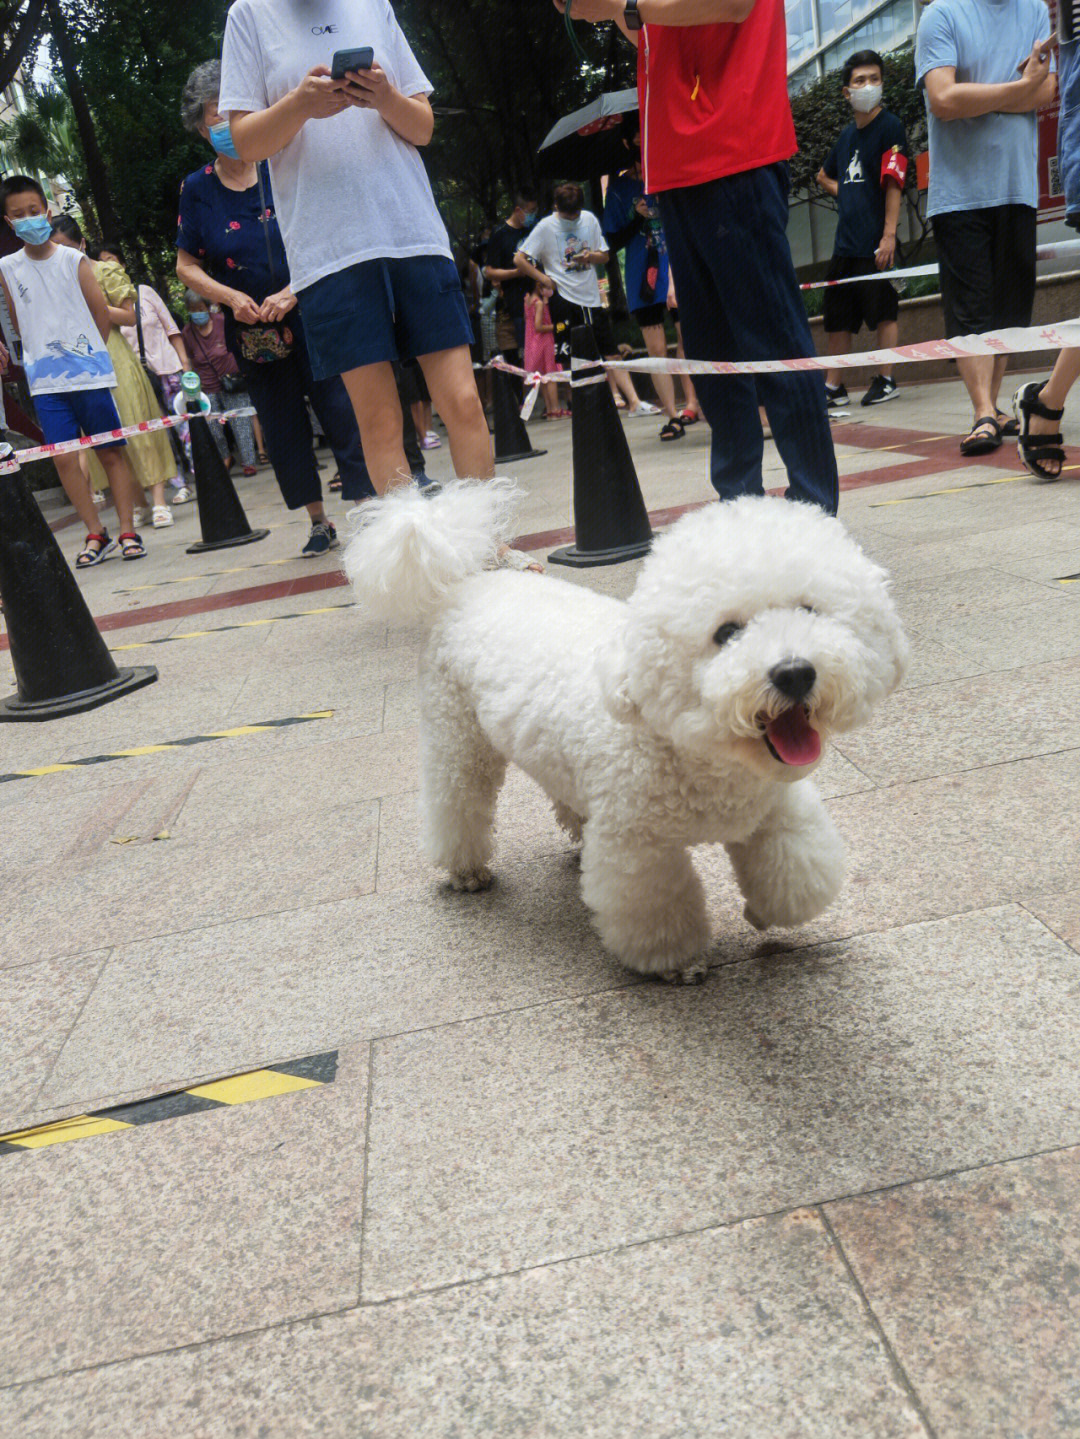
column 67, row 414
column 394, row 309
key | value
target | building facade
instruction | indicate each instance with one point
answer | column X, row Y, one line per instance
column 823, row 33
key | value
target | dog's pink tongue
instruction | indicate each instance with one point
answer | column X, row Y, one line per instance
column 793, row 738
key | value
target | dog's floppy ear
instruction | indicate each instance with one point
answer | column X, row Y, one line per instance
column 613, row 672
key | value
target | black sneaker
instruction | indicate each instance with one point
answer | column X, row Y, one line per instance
column 835, row 396
column 323, row 537
column 880, row 390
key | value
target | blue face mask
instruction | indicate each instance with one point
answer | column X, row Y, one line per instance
column 34, row 230
column 222, row 141
column 199, row 317
column 531, row 218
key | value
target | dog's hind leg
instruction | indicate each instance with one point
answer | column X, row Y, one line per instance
column 460, row 777
column 648, row 905
column 791, row 868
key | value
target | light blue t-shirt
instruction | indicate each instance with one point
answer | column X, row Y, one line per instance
column 989, row 159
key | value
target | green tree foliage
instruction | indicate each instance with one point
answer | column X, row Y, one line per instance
column 821, row 112
column 43, row 139
column 504, row 71
column 132, row 59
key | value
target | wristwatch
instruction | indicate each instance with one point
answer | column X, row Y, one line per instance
column 631, row 17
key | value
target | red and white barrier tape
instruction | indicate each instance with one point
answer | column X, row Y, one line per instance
column 88, row 442
column 1061, row 251
column 1065, row 335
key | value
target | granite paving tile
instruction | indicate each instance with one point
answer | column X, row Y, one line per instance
column 971, row 722
column 135, row 891
column 227, row 996
column 976, row 1282
column 928, row 601
column 331, row 776
column 39, row 1003
column 1059, row 912
column 938, row 847
column 520, row 1139
column 184, row 1230
column 722, row 1333
column 1036, row 633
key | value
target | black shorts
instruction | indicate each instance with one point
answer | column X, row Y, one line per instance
column 987, row 264
column 649, row 315
column 849, row 307
column 565, row 316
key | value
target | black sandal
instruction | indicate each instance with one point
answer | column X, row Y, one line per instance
column 1007, row 427
column 1035, row 450
column 673, row 430
column 976, row 444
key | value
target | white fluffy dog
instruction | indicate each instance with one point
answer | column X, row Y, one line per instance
column 693, row 713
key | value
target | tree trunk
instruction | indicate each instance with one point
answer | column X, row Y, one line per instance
column 22, row 36
column 96, row 173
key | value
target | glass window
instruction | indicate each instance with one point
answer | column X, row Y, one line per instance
column 800, row 29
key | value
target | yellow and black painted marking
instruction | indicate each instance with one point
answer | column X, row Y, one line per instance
column 221, row 629
column 211, row 575
column 958, row 489
column 244, row 729
column 275, row 1079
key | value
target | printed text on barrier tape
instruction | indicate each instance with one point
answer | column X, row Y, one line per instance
column 126, row 432
column 1044, row 252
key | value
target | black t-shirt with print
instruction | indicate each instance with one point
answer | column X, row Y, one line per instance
column 855, row 163
column 502, row 247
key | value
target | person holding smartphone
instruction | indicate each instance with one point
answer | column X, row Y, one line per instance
column 369, row 255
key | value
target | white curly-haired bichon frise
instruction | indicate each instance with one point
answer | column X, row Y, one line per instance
column 692, row 713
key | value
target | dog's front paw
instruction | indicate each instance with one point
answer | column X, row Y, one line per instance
column 693, row 973
column 471, row 880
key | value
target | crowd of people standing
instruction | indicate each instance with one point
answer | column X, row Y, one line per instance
column 314, row 208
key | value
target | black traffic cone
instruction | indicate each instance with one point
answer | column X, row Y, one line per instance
column 62, row 665
column 221, row 515
column 611, row 523
column 512, row 441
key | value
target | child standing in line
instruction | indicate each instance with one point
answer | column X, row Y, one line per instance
column 540, row 345
column 62, row 316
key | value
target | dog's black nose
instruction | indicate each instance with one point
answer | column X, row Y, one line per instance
column 794, row 678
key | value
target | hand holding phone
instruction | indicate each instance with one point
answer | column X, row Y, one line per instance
column 345, row 60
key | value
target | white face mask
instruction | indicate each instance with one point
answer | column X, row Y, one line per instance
column 866, row 99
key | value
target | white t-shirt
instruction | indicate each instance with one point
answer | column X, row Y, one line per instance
column 554, row 242
column 349, row 188
column 61, row 344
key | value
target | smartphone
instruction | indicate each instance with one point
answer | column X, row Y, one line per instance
column 343, row 60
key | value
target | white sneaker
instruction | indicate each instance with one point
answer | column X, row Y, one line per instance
column 162, row 517
column 141, row 516
column 99, row 497
column 183, row 496
column 643, row 408
column 430, row 441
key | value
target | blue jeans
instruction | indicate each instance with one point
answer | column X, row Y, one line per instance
column 739, row 299
column 1069, row 127
column 277, row 391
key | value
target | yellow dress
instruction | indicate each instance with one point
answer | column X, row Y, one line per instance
column 151, row 456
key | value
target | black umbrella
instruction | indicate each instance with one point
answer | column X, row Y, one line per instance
column 590, row 141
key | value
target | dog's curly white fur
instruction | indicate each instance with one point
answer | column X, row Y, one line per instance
column 683, row 716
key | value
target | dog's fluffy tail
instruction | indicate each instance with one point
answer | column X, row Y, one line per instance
column 412, row 548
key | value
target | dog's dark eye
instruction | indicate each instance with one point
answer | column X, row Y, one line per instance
column 727, row 632
column 809, row 609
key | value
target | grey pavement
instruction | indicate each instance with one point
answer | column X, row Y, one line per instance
column 831, row 1192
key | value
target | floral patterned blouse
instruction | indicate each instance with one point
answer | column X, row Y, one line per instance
column 224, row 231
